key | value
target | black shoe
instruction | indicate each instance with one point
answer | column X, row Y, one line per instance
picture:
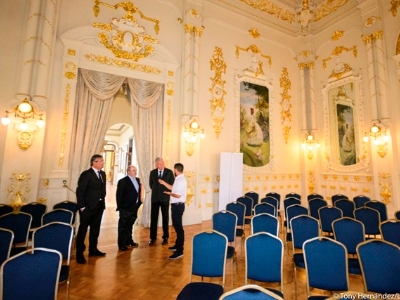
column 81, row 260
column 123, row 248
column 133, row 244
column 173, row 248
column 152, row 242
column 96, row 253
column 176, row 255
column 164, row 241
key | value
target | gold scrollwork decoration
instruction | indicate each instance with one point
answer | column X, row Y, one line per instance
column 125, row 38
column 311, row 182
column 385, row 186
column 25, row 139
column 197, row 31
column 70, row 70
column 122, row 63
column 328, row 7
column 71, row 52
column 337, row 34
column 395, row 5
column 339, row 50
column 255, row 50
column 254, row 33
column 46, row 182
column 218, row 65
column 64, row 125
column 286, row 115
column 272, row 9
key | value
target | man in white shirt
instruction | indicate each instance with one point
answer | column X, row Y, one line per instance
column 178, row 198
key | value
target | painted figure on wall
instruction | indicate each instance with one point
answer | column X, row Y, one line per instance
column 346, row 135
column 254, row 124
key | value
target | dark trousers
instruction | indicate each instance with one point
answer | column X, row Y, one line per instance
column 125, row 224
column 92, row 218
column 176, row 214
column 155, row 208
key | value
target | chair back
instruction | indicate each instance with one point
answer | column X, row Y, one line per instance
column 250, row 292
column 209, row 255
column 326, row 259
column 276, row 196
column 314, row 205
column 271, row 200
column 69, row 205
column 57, row 215
column 19, row 224
column 6, row 240
column 338, row 197
column 349, row 232
column 347, row 207
column 264, row 208
column 5, row 209
column 390, row 231
column 265, row 223
column 288, row 202
column 225, row 222
column 314, row 196
column 361, row 200
column 370, row 218
column 248, row 202
column 254, row 196
column 238, row 209
column 264, row 258
column 36, row 210
column 397, row 215
column 380, row 207
column 32, row 274
column 327, row 215
column 303, row 228
column 294, row 211
column 293, row 195
column 380, row 266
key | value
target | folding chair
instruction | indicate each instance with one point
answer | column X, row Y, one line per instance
column 208, row 260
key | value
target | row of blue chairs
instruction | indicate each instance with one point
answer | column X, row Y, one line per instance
column 56, row 236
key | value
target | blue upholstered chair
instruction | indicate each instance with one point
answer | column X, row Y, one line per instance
column 20, row 225
column 314, row 196
column 68, row 205
column 30, row 275
column 248, row 202
column 380, row 266
column 36, row 210
column 327, row 215
column 265, row 223
column 6, row 241
column 314, row 205
column 250, row 292
column 370, row 218
column 338, row 197
column 326, row 265
column 350, row 233
column 347, row 207
column 57, row 236
column 239, row 210
column 390, row 231
column 254, row 196
column 208, row 260
column 360, row 200
column 58, row 215
column 5, row 209
column 264, row 260
column 380, row 207
column 266, row 208
column 291, row 212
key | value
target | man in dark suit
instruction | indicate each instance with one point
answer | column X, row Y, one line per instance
column 128, row 202
column 159, row 199
column 91, row 195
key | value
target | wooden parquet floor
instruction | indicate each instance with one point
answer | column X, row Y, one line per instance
column 147, row 273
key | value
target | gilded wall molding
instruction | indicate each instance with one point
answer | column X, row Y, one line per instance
column 18, row 191
column 70, row 70
column 371, row 21
column 272, row 9
column 25, row 139
column 311, row 182
column 368, row 39
column 101, row 59
column 385, row 187
column 197, row 31
column 64, row 125
column 255, row 50
column 254, row 33
column 125, row 37
column 286, row 106
column 218, row 65
column 328, row 7
column 395, row 5
column 398, row 45
column 190, row 176
column 337, row 51
column 71, row 52
column 337, row 35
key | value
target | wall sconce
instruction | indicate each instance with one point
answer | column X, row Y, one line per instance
column 24, row 111
column 191, row 133
column 379, row 138
column 309, row 144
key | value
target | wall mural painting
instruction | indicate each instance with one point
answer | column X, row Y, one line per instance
column 347, row 149
column 254, row 124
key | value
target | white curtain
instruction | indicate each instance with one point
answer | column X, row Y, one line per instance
column 94, row 95
column 147, row 112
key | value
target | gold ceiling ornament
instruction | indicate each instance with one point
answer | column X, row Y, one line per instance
column 395, row 5
column 371, row 21
column 337, row 51
column 71, row 52
column 124, row 37
column 337, row 34
column 255, row 50
column 385, row 187
column 286, row 115
column 377, row 35
column 328, row 7
column 272, row 9
column 254, row 33
column 197, row 31
column 122, row 63
column 64, row 125
column 398, row 45
column 218, row 65
column 309, row 65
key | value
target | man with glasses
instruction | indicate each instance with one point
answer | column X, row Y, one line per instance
column 91, row 195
